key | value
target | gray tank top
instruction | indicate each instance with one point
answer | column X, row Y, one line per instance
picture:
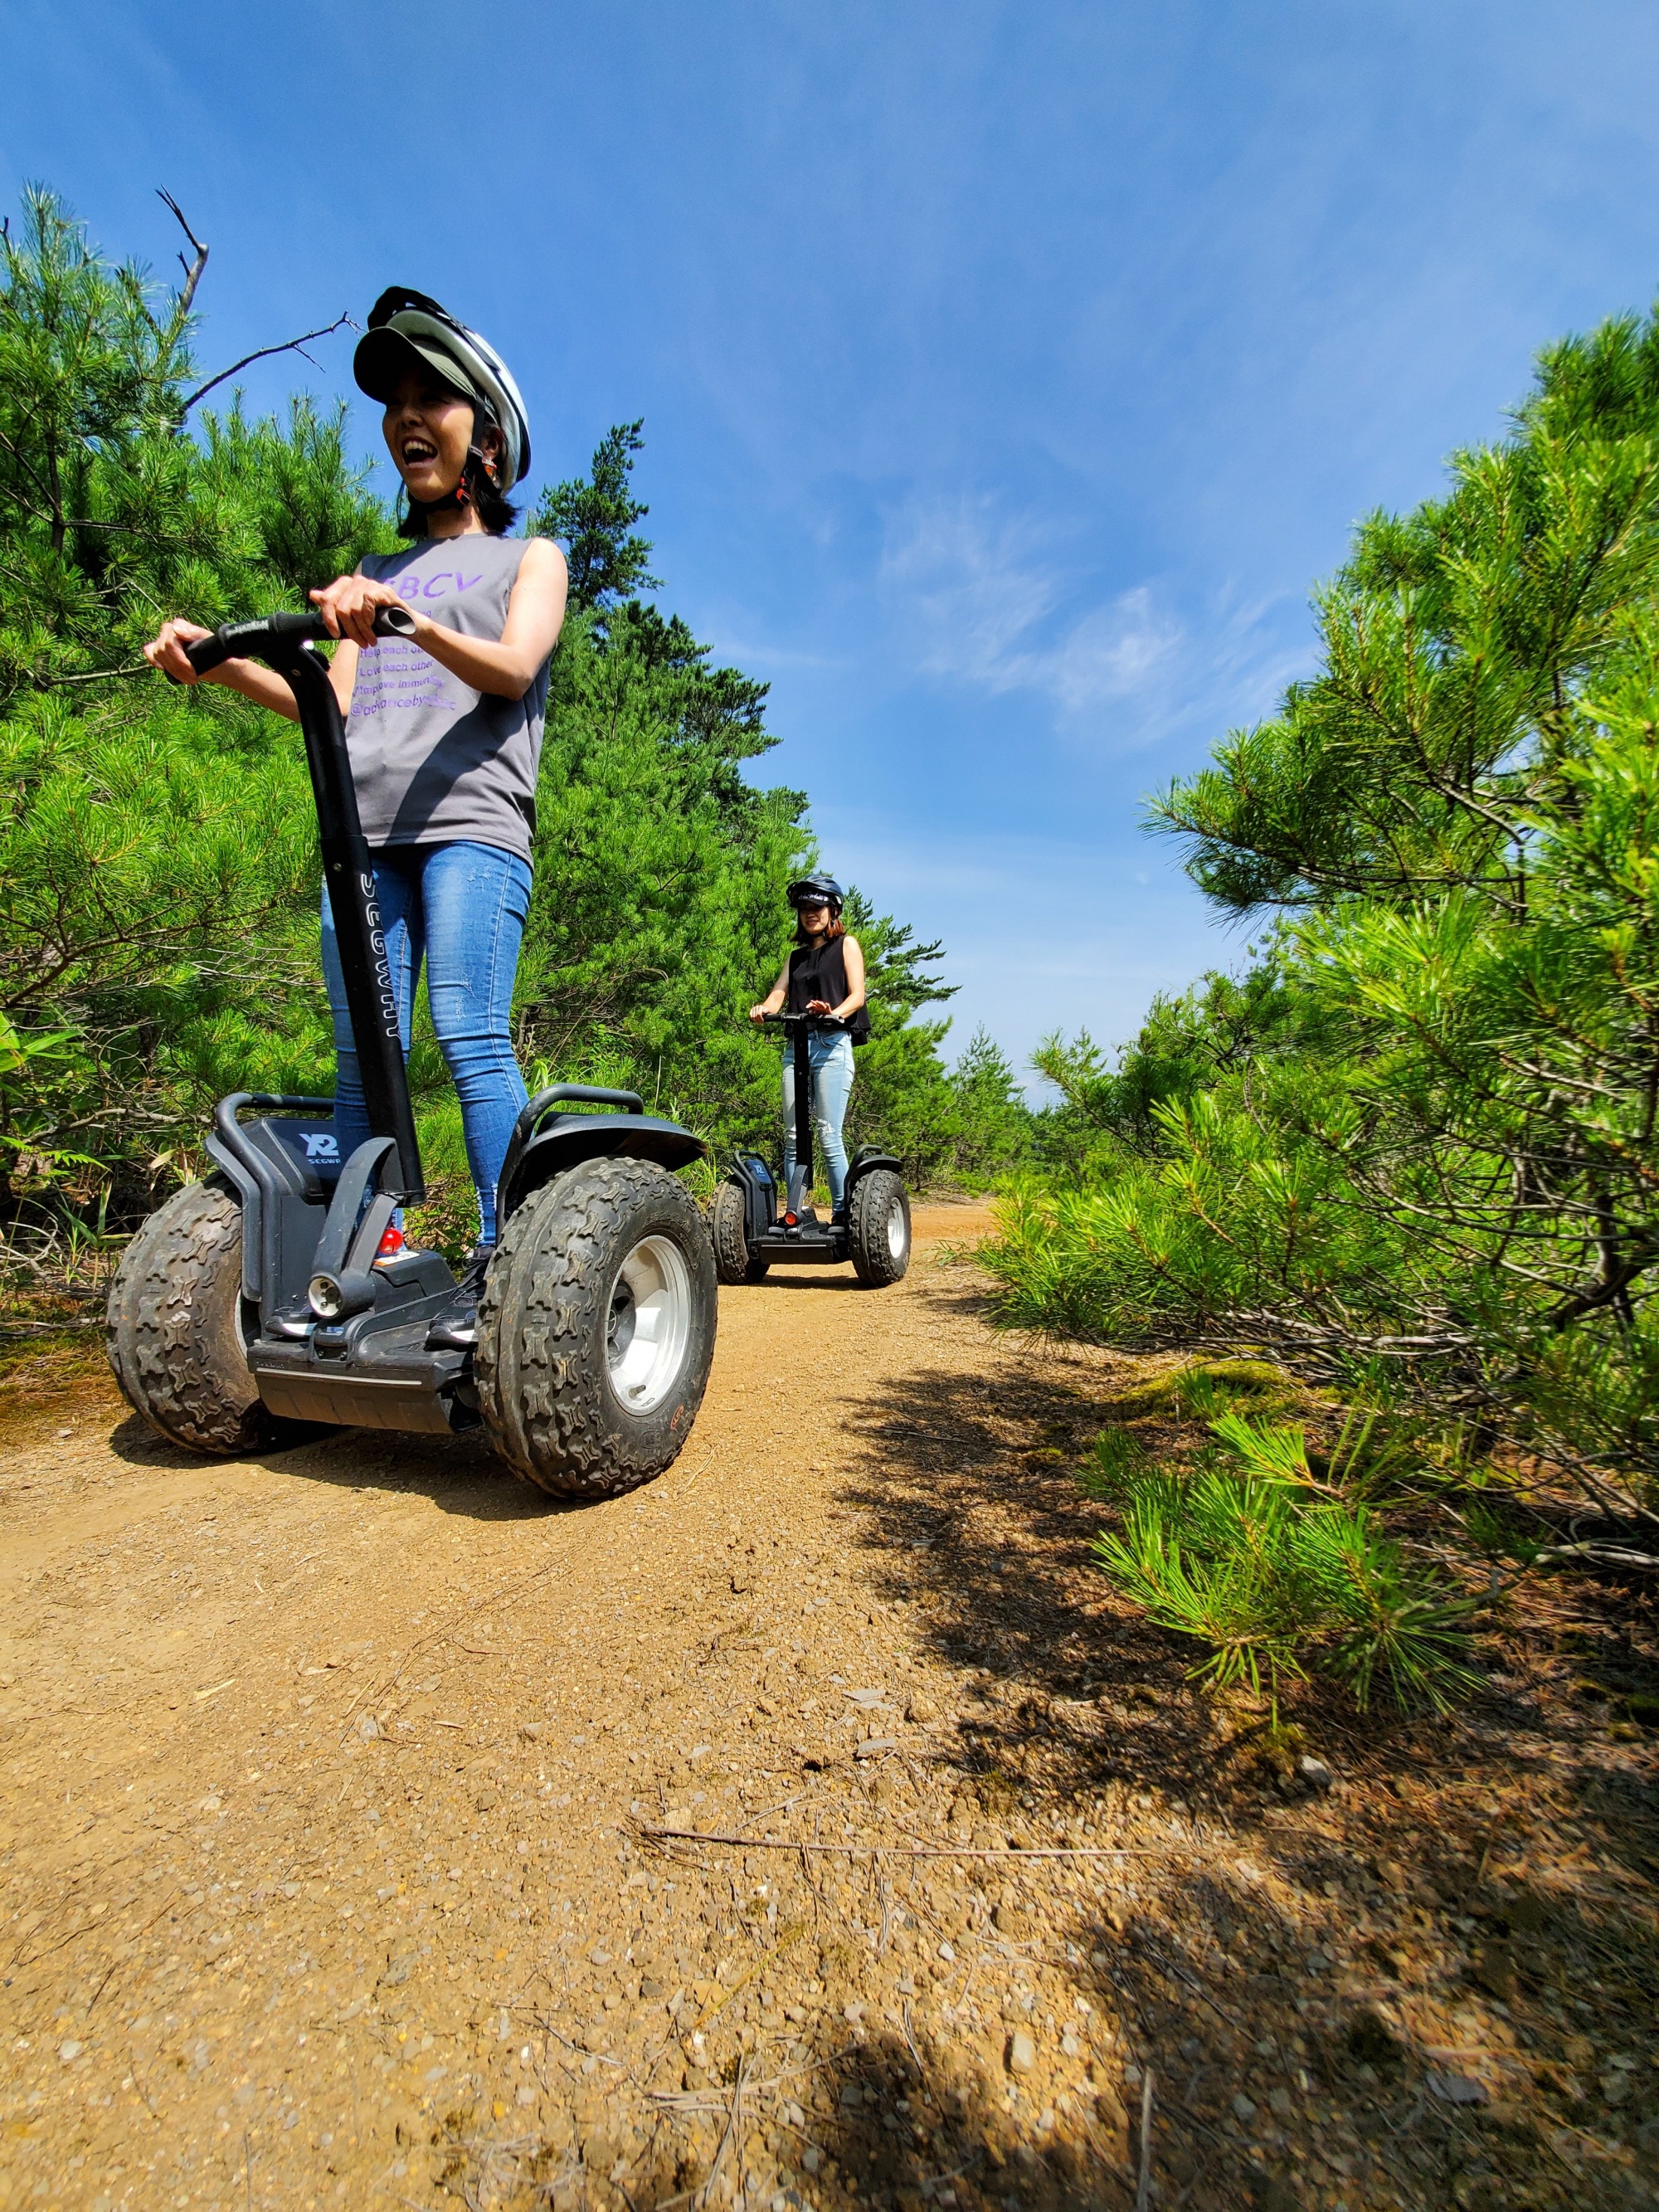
column 434, row 761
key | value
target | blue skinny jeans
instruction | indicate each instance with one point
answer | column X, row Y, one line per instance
column 830, row 1057
column 462, row 909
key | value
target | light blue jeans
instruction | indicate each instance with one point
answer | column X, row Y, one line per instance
column 830, row 1056
column 462, row 908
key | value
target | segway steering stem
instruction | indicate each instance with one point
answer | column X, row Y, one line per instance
column 288, row 644
column 798, row 1029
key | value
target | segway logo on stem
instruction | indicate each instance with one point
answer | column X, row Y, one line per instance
column 382, row 965
column 320, row 1145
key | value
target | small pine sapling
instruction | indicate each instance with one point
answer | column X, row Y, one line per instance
column 1277, row 1573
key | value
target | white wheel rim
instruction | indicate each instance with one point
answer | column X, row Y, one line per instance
column 898, row 1231
column 648, row 1324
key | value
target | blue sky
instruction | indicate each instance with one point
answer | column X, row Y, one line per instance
column 1010, row 372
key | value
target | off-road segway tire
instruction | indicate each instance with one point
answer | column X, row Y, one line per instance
column 878, row 1228
column 172, row 1328
column 578, row 1393
column 728, row 1225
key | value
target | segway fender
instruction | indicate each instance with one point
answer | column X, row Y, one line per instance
column 759, row 1194
column 283, row 1172
column 566, row 1140
column 866, row 1160
column 242, row 1182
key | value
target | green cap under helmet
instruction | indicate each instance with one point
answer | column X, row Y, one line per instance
column 409, row 331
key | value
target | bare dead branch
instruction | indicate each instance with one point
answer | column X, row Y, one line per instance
column 654, row 1832
column 1607, row 1555
column 288, row 345
column 1144, row 2185
column 193, row 269
column 733, row 2129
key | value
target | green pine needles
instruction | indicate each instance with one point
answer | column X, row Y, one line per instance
column 1279, row 1575
column 1424, row 1127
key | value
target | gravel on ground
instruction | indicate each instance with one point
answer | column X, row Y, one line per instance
column 811, row 1827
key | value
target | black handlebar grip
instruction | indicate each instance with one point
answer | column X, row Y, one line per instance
column 234, row 640
column 203, row 653
column 237, row 640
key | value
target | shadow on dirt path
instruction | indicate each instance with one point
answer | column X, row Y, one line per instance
column 460, row 1474
column 378, row 1832
column 1406, row 1983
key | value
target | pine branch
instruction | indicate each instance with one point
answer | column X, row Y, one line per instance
column 94, row 676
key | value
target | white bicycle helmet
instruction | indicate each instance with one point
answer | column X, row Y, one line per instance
column 407, row 331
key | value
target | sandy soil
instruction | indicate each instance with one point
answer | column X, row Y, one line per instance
column 329, row 1876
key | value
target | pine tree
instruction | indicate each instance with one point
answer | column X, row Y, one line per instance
column 1426, row 1128
column 593, row 518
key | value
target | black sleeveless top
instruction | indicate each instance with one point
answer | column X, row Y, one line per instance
column 817, row 970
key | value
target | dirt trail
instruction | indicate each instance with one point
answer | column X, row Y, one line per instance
column 326, row 1881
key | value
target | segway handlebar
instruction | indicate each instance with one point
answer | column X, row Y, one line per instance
column 276, row 634
column 807, row 1021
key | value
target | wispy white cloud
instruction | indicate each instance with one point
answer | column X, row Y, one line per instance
column 1041, row 934
column 987, row 601
column 1123, row 650
column 743, row 651
column 975, row 587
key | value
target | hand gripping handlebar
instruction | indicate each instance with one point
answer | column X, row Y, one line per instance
column 807, row 1021
column 275, row 638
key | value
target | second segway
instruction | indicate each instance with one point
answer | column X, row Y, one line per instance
column 758, row 1224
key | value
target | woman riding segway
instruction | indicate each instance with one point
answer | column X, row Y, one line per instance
column 754, row 1225
column 824, row 974
column 444, row 725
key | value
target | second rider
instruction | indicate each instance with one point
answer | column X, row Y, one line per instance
column 824, row 974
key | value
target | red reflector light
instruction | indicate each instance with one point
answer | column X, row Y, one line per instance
column 392, row 1243
column 790, row 1219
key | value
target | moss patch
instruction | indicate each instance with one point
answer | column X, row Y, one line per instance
column 1256, row 1387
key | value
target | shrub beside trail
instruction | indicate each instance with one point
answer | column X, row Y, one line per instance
column 1413, row 1151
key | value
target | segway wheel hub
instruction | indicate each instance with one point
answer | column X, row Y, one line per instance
column 650, row 1321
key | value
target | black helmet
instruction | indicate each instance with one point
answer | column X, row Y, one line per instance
column 817, row 890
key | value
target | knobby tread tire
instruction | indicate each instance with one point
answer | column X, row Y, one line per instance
column 541, row 1365
column 728, row 1223
column 171, row 1326
column 875, row 1196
